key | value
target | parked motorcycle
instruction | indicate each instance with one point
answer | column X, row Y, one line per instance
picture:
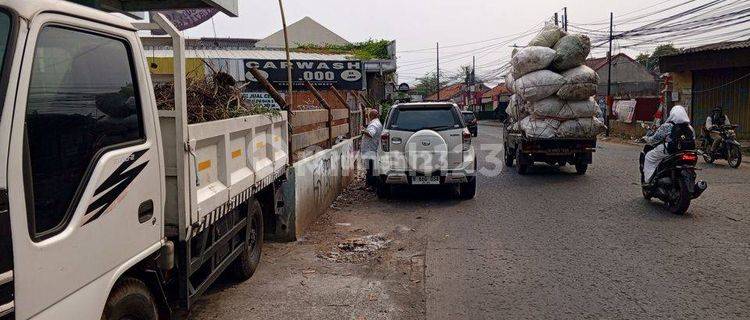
column 674, row 181
column 729, row 149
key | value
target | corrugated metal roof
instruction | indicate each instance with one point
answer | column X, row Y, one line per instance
column 247, row 54
column 719, row 46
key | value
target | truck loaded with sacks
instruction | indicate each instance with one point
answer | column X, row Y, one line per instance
column 553, row 117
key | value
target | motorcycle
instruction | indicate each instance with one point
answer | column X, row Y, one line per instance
column 729, row 149
column 674, row 181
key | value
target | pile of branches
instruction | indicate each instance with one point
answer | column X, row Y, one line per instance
column 214, row 97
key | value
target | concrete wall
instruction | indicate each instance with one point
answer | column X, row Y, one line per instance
column 682, row 83
column 316, row 181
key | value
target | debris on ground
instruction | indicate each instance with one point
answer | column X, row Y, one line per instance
column 357, row 192
column 356, row 249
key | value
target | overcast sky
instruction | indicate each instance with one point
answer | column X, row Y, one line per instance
column 419, row 24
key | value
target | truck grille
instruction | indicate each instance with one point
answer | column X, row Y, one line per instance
column 7, row 306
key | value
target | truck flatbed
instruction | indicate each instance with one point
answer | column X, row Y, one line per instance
column 524, row 151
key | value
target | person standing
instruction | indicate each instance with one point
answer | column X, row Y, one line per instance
column 370, row 142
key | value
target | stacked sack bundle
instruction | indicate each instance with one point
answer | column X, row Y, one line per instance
column 553, row 88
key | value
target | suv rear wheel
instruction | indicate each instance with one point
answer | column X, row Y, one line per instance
column 469, row 189
column 382, row 189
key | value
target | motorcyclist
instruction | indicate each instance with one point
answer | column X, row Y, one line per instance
column 714, row 126
column 659, row 139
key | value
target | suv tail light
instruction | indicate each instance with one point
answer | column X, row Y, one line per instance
column 385, row 141
column 466, row 139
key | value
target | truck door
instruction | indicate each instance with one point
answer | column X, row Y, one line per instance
column 83, row 170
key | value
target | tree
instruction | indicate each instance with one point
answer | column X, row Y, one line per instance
column 651, row 61
column 427, row 84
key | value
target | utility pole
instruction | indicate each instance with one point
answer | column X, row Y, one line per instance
column 609, row 72
column 472, row 89
column 290, row 99
column 565, row 19
column 437, row 50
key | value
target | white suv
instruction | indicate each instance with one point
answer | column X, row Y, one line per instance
column 426, row 144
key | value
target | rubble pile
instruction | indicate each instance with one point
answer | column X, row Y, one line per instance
column 552, row 88
column 214, row 97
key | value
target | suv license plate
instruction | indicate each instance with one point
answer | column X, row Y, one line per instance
column 422, row 180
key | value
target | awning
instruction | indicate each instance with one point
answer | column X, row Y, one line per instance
column 230, row 7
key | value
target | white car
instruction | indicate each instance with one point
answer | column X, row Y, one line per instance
column 426, row 144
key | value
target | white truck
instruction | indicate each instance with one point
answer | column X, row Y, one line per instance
column 110, row 208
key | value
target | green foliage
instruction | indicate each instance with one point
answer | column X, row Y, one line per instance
column 427, row 84
column 651, row 60
column 385, row 110
column 367, row 50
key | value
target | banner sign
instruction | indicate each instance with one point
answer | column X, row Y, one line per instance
column 342, row 75
column 261, row 98
column 187, row 18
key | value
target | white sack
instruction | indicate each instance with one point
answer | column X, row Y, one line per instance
column 531, row 59
column 548, row 37
column 538, row 85
column 539, row 128
column 578, row 109
column 572, row 51
column 546, row 108
column 509, row 79
column 580, row 128
column 580, row 84
column 516, row 108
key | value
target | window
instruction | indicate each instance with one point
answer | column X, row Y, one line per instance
column 81, row 103
column 469, row 116
column 6, row 27
column 419, row 118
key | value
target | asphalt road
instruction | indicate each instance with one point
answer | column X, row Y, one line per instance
column 554, row 245
column 549, row 245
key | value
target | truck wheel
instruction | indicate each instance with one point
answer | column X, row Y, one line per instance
column 581, row 168
column 130, row 299
column 522, row 166
column 247, row 262
column 468, row 190
column 508, row 157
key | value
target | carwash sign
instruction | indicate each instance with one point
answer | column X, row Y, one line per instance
column 343, row 75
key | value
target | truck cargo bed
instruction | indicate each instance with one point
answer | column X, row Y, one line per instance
column 227, row 161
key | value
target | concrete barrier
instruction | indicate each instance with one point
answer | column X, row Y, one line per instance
column 315, row 182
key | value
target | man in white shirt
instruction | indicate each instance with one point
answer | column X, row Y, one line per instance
column 370, row 142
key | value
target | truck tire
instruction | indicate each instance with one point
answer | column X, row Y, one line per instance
column 581, row 168
column 247, row 262
column 130, row 299
column 508, row 157
column 468, row 190
column 522, row 166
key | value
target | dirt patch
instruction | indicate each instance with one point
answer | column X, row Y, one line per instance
column 358, row 261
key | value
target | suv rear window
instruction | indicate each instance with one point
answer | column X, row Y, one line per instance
column 420, row 118
column 468, row 116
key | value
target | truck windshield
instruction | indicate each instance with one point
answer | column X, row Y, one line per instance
column 5, row 28
column 420, row 118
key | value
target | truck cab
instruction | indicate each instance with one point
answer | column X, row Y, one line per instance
column 101, row 195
